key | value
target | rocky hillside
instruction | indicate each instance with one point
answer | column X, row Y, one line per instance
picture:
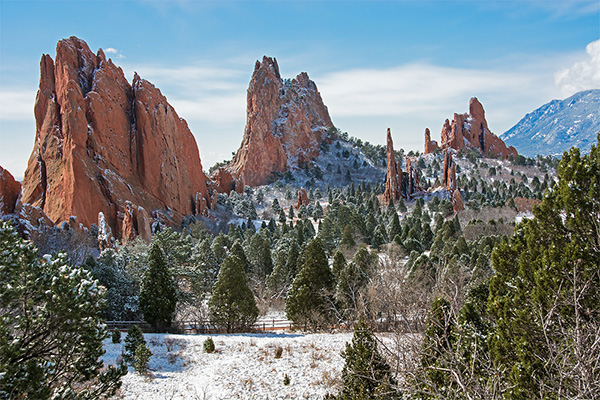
column 558, row 125
column 106, row 146
column 286, row 121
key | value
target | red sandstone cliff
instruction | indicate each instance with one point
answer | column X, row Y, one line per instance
column 104, row 145
column 470, row 130
column 285, row 124
column 9, row 192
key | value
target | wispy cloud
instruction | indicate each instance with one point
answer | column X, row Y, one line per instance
column 114, row 53
column 583, row 74
column 16, row 104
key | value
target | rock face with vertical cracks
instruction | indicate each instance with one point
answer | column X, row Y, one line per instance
column 104, row 145
column 286, row 121
column 470, row 130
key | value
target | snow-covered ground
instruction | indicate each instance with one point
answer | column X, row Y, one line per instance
column 244, row 366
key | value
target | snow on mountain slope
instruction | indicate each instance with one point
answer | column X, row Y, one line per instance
column 557, row 126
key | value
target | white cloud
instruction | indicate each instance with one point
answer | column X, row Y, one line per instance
column 114, row 53
column 583, row 74
column 16, row 104
column 412, row 97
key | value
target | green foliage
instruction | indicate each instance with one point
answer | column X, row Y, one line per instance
column 339, row 263
column 353, row 280
column 116, row 336
column 545, row 295
column 209, row 345
column 109, row 269
column 348, row 237
column 158, row 294
column 310, row 297
column 286, row 380
column 50, row 327
column 232, row 306
column 366, row 374
column 142, row 357
column 132, row 341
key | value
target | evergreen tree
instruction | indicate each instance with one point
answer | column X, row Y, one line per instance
column 395, row 228
column 348, row 237
column 238, row 250
column 132, row 341
column 545, row 294
column 259, row 256
column 339, row 262
column 366, row 374
column 232, row 305
column 219, row 246
column 282, row 217
column 50, row 327
column 437, row 341
column 206, row 266
column 158, row 294
column 310, row 297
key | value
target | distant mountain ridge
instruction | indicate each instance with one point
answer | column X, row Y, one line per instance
column 557, row 126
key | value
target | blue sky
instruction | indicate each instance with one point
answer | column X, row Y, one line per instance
column 406, row 65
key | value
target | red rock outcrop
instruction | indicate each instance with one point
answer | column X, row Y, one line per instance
column 285, row 124
column 470, row 130
column 398, row 183
column 410, row 180
column 393, row 176
column 105, row 146
column 449, row 172
column 430, row 145
column 302, row 198
column 9, row 192
column 457, row 203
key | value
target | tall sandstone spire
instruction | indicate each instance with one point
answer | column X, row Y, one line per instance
column 104, row 145
column 393, row 177
column 285, row 124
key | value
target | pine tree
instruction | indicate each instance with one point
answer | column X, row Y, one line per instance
column 259, row 256
column 366, row 374
column 339, row 262
column 232, row 305
column 545, row 294
column 395, row 228
column 158, row 294
column 238, row 250
column 206, row 266
column 50, row 327
column 310, row 297
column 132, row 341
column 348, row 237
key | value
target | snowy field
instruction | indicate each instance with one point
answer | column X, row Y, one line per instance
column 244, row 366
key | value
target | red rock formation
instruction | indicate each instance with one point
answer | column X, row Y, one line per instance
column 470, row 130
column 302, row 198
column 101, row 143
column 457, row 203
column 430, row 145
column 393, row 176
column 398, row 183
column 285, row 124
column 223, row 180
column 449, row 172
column 410, row 180
column 9, row 192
